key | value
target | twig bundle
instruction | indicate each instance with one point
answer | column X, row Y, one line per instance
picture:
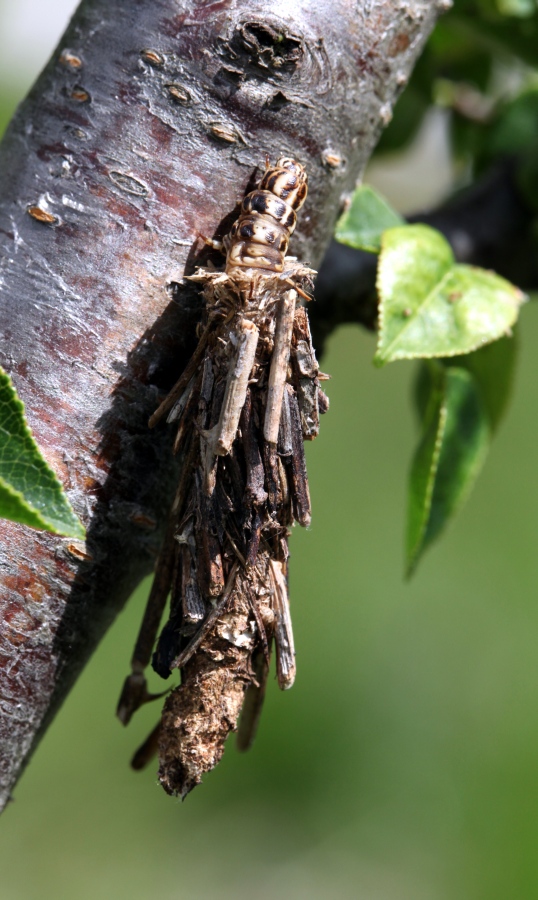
column 243, row 406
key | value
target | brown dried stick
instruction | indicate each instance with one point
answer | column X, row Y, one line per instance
column 183, row 379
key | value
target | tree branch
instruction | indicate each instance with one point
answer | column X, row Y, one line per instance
column 145, row 128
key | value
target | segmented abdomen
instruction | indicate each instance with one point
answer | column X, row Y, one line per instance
column 260, row 237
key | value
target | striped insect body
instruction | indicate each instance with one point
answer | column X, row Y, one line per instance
column 260, row 237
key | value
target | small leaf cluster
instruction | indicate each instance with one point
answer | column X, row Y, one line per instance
column 481, row 66
column 458, row 320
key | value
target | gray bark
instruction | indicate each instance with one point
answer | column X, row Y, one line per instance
column 107, row 173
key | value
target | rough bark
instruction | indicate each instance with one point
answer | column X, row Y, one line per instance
column 145, row 128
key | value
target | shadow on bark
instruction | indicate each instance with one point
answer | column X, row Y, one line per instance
column 124, row 429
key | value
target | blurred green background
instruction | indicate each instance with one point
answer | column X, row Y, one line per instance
column 403, row 765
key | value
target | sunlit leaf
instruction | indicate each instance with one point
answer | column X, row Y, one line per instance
column 30, row 492
column 520, row 8
column 431, row 306
column 367, row 217
column 455, row 440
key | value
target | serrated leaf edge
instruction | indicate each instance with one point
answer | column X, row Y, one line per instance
column 343, row 237
column 41, row 522
column 475, row 471
column 48, row 524
column 414, row 555
column 382, row 357
column 357, row 245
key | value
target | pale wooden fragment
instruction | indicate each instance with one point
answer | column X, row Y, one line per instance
column 225, row 431
column 279, row 366
column 284, row 643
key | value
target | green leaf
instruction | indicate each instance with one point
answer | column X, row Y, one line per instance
column 505, row 37
column 515, row 129
column 367, row 217
column 440, row 481
column 457, row 54
column 431, row 306
column 30, row 492
column 493, row 368
column 456, row 438
column 520, row 8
